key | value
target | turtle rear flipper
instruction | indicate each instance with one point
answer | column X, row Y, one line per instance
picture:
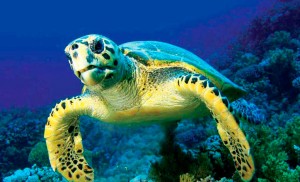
column 228, row 128
column 237, row 146
column 64, row 140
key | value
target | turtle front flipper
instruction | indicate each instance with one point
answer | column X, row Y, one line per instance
column 228, row 128
column 64, row 140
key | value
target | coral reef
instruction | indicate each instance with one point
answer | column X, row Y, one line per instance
column 272, row 75
column 39, row 155
column 275, row 158
column 115, row 148
column 284, row 16
column 187, row 178
column 190, row 178
column 20, row 130
column 34, row 174
column 265, row 61
column 111, row 149
column 296, row 83
column 248, row 111
column 190, row 133
column 141, row 178
column 174, row 161
column 213, row 146
column 208, row 160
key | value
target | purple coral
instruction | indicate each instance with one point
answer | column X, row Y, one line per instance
column 248, row 110
column 296, row 83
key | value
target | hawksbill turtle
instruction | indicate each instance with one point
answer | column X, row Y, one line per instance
column 142, row 81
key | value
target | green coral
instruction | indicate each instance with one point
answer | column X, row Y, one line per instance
column 187, row 178
column 277, row 169
column 39, row 155
column 272, row 151
column 203, row 167
column 293, row 131
column 190, row 178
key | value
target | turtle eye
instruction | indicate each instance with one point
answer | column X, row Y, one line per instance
column 97, row 46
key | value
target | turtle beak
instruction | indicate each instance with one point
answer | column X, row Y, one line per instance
column 90, row 67
column 80, row 57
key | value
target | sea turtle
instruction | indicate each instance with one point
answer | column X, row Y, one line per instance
column 141, row 81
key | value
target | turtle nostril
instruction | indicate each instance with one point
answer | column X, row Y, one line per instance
column 74, row 46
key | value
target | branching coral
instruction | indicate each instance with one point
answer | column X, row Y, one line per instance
column 277, row 169
column 187, row 178
column 249, row 111
column 271, row 150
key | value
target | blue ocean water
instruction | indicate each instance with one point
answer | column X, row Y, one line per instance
column 254, row 43
column 35, row 34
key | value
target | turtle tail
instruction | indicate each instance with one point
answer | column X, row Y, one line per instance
column 227, row 125
column 64, row 142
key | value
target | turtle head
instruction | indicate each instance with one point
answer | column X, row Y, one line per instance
column 96, row 60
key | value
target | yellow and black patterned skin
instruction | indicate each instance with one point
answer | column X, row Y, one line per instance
column 136, row 82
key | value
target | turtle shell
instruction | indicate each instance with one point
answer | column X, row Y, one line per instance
column 159, row 54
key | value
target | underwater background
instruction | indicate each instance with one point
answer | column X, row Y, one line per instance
column 254, row 43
